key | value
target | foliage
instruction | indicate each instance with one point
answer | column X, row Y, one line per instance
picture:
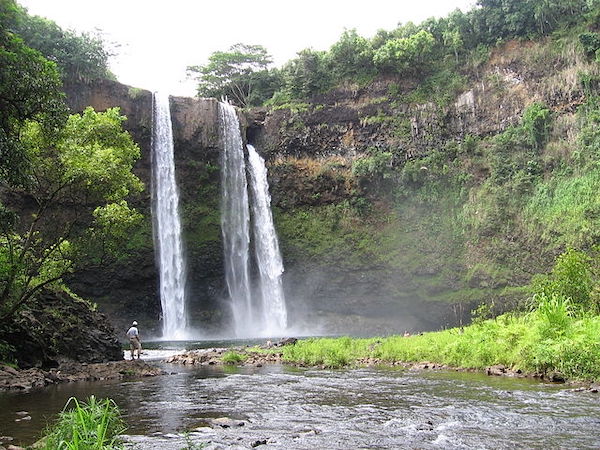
column 376, row 165
column 535, row 123
column 570, row 279
column 29, row 90
column 405, row 55
column 546, row 340
column 236, row 73
column 351, row 57
column 94, row 424
column 88, row 164
column 233, row 357
column 79, row 57
column 590, row 42
column 305, row 75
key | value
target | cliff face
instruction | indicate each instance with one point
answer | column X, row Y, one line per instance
column 128, row 289
column 389, row 205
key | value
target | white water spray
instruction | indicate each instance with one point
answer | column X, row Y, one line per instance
column 235, row 221
column 263, row 314
column 167, row 226
column 266, row 245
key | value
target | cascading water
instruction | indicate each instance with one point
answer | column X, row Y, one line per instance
column 167, row 226
column 264, row 314
column 266, row 245
column 235, row 221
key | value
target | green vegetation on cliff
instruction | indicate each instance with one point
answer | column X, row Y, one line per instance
column 89, row 162
column 429, row 51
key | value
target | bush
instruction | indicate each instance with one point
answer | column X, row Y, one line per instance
column 95, row 424
column 570, row 279
column 378, row 164
column 232, row 357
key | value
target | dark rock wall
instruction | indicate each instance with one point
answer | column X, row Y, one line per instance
column 128, row 290
column 56, row 327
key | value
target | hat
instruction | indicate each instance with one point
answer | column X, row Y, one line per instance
column 134, row 323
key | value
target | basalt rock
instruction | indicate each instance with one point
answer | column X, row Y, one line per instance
column 56, row 327
column 14, row 379
column 128, row 289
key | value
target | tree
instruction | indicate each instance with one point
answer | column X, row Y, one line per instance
column 30, row 89
column 73, row 203
column 307, row 74
column 405, row 54
column 351, row 56
column 79, row 57
column 453, row 39
column 232, row 73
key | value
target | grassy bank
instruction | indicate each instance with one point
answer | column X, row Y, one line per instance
column 544, row 341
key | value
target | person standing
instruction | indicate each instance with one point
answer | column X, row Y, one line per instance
column 134, row 340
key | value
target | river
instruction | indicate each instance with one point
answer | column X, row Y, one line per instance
column 335, row 409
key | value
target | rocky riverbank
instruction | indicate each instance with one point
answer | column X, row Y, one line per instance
column 16, row 379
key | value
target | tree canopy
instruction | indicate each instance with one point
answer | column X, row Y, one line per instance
column 432, row 48
column 30, row 89
column 88, row 165
column 236, row 73
column 78, row 56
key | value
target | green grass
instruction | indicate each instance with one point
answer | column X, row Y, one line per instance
column 551, row 338
column 233, row 357
column 95, row 424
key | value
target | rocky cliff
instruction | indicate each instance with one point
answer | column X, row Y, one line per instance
column 386, row 196
column 128, row 289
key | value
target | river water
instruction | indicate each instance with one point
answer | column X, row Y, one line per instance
column 336, row 409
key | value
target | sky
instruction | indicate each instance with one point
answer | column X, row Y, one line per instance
column 156, row 40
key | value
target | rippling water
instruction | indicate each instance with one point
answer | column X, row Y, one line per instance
column 341, row 409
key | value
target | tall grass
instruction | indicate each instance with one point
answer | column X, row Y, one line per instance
column 550, row 338
column 93, row 425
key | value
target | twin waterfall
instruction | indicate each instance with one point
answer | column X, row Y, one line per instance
column 258, row 308
column 167, row 226
column 260, row 312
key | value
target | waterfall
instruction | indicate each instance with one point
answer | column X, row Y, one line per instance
column 235, row 221
column 167, row 226
column 264, row 313
column 266, row 246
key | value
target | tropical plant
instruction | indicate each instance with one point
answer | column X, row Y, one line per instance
column 88, row 165
column 405, row 55
column 94, row 424
column 234, row 73
column 30, row 89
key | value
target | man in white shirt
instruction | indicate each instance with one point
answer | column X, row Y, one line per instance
column 134, row 340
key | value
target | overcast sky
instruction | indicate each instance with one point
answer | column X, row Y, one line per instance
column 159, row 39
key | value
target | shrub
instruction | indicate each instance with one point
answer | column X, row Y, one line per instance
column 232, row 357
column 571, row 278
column 95, row 424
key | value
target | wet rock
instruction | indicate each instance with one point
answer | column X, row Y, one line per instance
column 286, row 341
column 226, row 422
column 427, row 426
column 70, row 371
column 556, row 377
column 14, row 447
column 496, row 370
